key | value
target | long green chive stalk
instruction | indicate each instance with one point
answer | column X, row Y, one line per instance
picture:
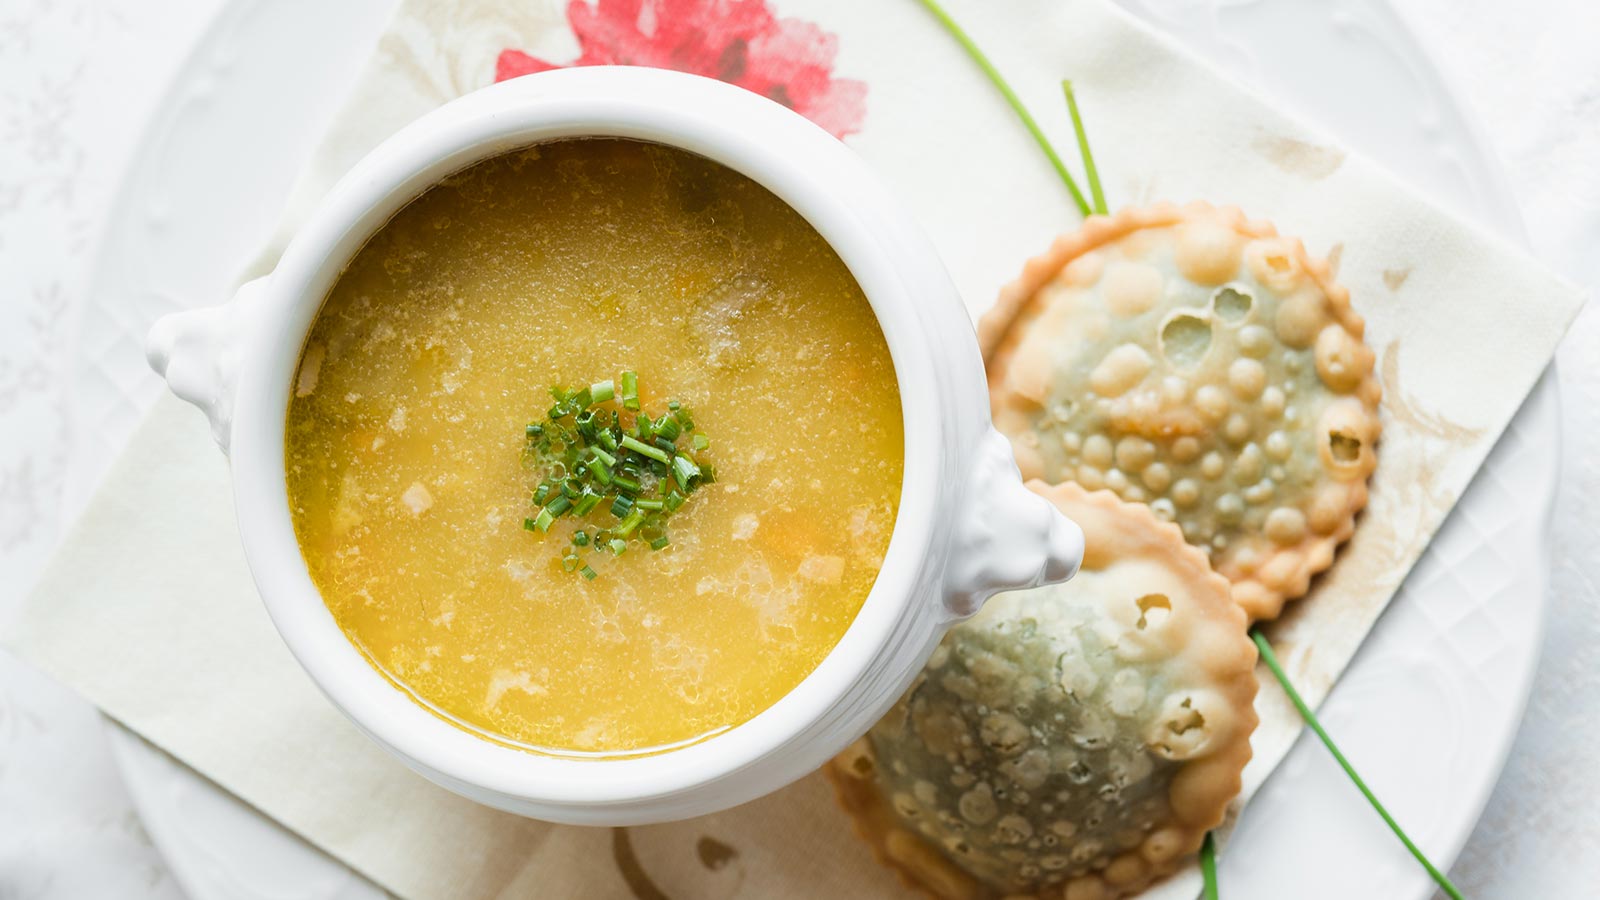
column 967, row 44
column 1208, row 866
column 589, row 458
column 1271, row 659
column 1089, row 170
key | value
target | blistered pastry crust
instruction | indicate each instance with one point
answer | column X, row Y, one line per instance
column 1194, row 359
column 1001, row 812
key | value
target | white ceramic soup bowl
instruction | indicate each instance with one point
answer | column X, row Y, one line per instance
column 966, row 526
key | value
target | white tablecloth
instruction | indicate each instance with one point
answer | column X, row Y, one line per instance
column 78, row 78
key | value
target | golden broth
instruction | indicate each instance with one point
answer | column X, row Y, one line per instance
column 562, row 265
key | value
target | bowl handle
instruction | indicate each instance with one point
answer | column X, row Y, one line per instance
column 199, row 352
column 1006, row 537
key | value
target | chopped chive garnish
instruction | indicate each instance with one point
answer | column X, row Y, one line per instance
column 587, row 458
column 634, row 520
column 587, row 573
column 586, row 504
column 643, row 449
column 1271, row 659
column 1015, row 102
column 630, row 390
column 685, row 472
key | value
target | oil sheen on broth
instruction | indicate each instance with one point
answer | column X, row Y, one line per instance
column 561, row 265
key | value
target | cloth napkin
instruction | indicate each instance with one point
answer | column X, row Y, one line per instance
column 149, row 611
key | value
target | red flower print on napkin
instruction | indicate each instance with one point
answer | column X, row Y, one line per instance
column 739, row 41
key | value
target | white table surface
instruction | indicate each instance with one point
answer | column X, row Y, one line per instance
column 79, row 77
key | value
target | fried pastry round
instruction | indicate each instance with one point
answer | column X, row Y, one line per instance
column 1197, row 361
column 1073, row 741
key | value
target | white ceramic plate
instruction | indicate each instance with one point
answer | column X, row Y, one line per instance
column 1429, row 707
